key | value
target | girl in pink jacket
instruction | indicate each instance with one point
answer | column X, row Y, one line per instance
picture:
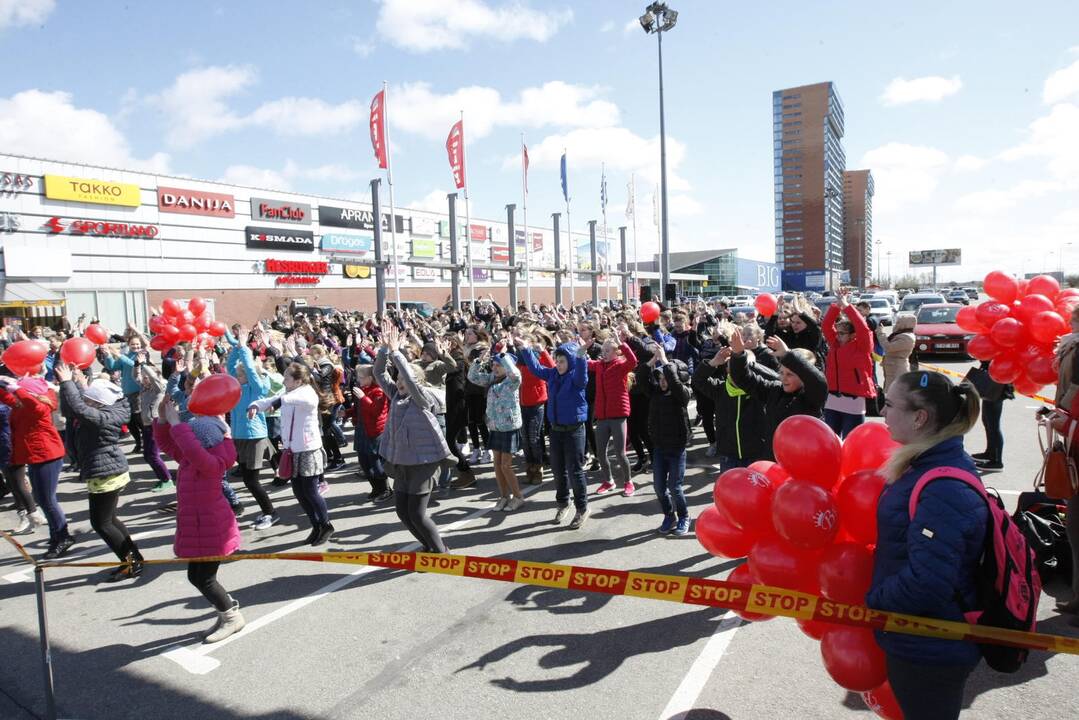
column 205, row 524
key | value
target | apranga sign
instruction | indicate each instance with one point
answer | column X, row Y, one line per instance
column 99, row 192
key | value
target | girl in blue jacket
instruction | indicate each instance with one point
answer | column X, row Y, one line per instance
column 249, row 435
column 926, row 565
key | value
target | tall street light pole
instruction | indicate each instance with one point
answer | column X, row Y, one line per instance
column 658, row 19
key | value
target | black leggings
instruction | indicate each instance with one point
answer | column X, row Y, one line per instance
column 134, row 423
column 456, row 422
column 412, row 509
column 706, row 410
column 251, row 482
column 329, row 439
column 105, row 523
column 15, row 475
column 590, row 430
column 638, row 427
column 203, row 575
column 477, row 420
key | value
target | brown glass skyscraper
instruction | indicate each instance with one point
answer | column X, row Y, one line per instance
column 858, row 226
column 807, row 123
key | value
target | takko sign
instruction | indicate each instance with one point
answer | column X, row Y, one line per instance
column 296, row 272
column 196, row 202
column 278, row 211
column 100, row 228
column 100, row 192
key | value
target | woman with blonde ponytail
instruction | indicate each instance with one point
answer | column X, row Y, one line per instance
column 925, row 564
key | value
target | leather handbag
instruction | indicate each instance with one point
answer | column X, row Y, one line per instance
column 284, row 465
column 1058, row 477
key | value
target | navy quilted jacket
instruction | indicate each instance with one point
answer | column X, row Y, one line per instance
column 925, row 566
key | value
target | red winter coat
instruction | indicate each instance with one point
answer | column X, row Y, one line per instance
column 34, row 438
column 205, row 524
column 849, row 367
column 533, row 390
column 371, row 411
column 612, row 394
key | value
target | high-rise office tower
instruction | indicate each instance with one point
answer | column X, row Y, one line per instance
column 858, row 225
column 807, row 132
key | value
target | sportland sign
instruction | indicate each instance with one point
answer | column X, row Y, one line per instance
column 195, row 202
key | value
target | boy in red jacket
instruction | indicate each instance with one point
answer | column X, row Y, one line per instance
column 369, row 418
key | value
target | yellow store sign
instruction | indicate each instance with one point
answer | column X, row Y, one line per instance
column 58, row 187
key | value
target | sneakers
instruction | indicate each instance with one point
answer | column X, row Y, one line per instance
column 712, row 450
column 980, row 456
column 639, row 467
column 324, row 534
column 37, row 518
column 229, row 623
column 485, row 456
column 594, row 466
column 24, row 525
column 501, row 504
column 989, row 464
column 474, row 456
column 323, row 487
column 264, row 522
column 561, row 515
column 127, row 572
column 682, row 528
column 668, row 524
column 162, row 485
column 59, row 548
column 629, row 489
column 534, row 473
column 579, row 518
column 605, row 488
column 514, row 504
column 381, row 497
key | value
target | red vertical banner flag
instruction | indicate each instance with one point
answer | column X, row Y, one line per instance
column 524, row 148
column 378, row 128
column 455, row 150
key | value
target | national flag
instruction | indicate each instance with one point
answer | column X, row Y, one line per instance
column 655, row 209
column 603, row 190
column 378, row 128
column 524, row 149
column 455, row 150
column 631, row 199
column 565, row 183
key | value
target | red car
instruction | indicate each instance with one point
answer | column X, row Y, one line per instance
column 936, row 331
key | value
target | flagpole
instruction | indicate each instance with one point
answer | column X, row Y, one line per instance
column 633, row 196
column 606, row 241
column 389, row 181
column 524, row 221
column 468, row 220
column 569, row 237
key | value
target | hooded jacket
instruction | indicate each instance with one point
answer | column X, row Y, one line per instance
column 668, row 421
column 612, row 393
column 503, row 412
column 566, row 401
column 534, row 389
column 34, row 438
column 412, row 435
column 849, row 367
column 256, row 387
column 370, row 411
column 740, row 424
column 98, row 434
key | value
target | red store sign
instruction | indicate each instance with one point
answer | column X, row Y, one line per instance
column 297, row 272
column 100, row 228
column 196, row 202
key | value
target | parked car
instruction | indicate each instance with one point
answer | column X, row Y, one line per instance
column 912, row 302
column 958, row 296
column 972, row 292
column 936, row 330
column 879, row 308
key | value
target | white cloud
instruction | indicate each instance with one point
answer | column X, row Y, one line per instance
column 1053, row 136
column 426, row 25
column 284, row 179
column 307, row 116
column 249, row 176
column 987, row 201
column 435, row 201
column 934, row 88
column 969, row 163
column 15, row 13
column 904, row 174
column 607, row 26
column 1062, row 84
column 416, row 108
column 632, row 25
column 362, row 47
column 47, row 124
column 194, row 105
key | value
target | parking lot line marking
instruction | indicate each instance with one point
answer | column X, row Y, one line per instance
column 193, row 657
column 685, row 697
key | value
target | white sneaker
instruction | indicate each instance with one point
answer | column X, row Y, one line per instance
column 485, row 456
column 579, row 518
column 561, row 515
column 474, row 456
column 265, row 522
column 24, row 524
column 37, row 518
column 501, row 504
column 514, row 504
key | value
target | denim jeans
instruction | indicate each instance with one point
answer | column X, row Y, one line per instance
column 367, row 452
column 532, row 433
column 44, row 477
column 842, row 423
column 928, row 692
column 567, row 466
column 668, row 469
column 306, row 491
column 727, row 462
column 228, row 492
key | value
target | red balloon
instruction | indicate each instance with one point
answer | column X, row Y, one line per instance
column 853, row 658
column 743, row 574
column 1032, row 352
column 988, row 313
column 1068, row 293
column 1031, row 305
column 867, row 447
column 171, row 333
column 808, row 450
column 217, row 328
column 1046, row 285
column 1008, row 332
column 77, row 351
column 1001, row 287
column 967, row 319
column 1022, row 290
column 1046, row 327
column 719, row 536
column 215, row 395
column 856, row 499
column 158, row 322
column 1024, row 385
column 813, row 628
column 1067, row 306
column 1004, row 369
column 982, row 347
column 766, row 304
column 881, row 700
column 25, row 356
column 805, row 515
column 187, row 332
column 96, row 334
column 160, row 343
column 202, row 322
column 649, row 312
column 185, row 318
column 845, row 573
column 172, row 308
column 774, row 561
column 761, row 466
column 744, row 496
column 196, row 305
column 1040, row 370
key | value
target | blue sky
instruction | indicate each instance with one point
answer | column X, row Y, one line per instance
column 966, row 112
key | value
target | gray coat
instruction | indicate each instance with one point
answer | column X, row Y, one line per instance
column 98, row 436
column 412, row 435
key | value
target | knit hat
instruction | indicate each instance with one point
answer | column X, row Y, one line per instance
column 103, row 392
column 209, row 429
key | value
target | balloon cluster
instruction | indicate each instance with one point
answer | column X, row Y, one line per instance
column 808, row 522
column 1017, row 329
column 177, row 324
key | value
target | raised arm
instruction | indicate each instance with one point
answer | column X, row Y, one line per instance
column 404, row 372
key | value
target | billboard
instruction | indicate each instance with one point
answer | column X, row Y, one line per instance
column 803, row 280
column 951, row 256
column 758, row 276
